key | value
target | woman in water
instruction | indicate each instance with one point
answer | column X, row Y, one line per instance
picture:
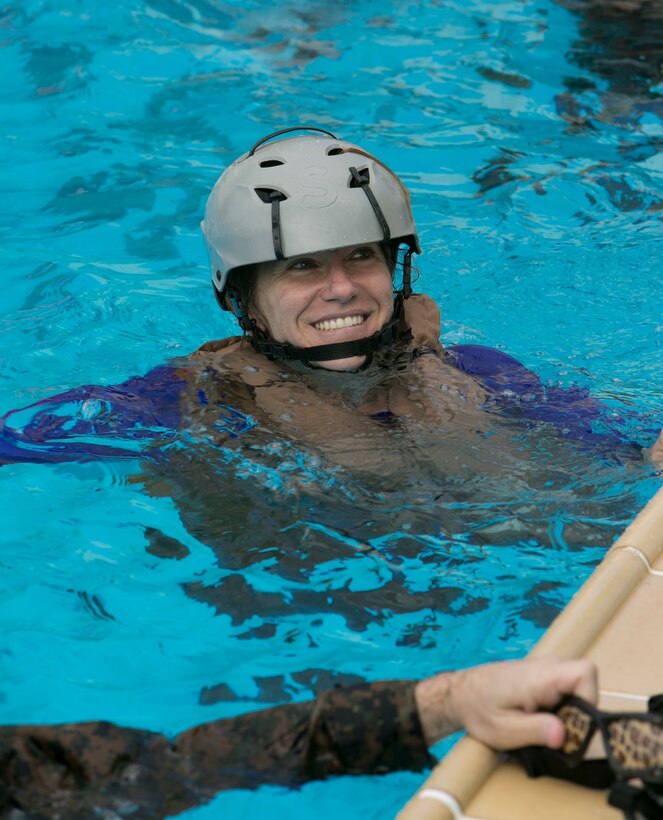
column 338, row 395
column 311, row 241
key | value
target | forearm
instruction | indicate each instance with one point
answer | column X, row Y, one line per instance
column 82, row 768
column 365, row 729
column 436, row 710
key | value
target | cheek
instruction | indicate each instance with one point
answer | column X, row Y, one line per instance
column 274, row 311
column 386, row 293
column 261, row 311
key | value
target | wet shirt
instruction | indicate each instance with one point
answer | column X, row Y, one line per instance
column 145, row 414
column 75, row 771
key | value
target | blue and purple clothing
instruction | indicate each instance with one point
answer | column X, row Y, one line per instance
column 142, row 415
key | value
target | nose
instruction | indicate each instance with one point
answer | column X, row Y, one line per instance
column 339, row 285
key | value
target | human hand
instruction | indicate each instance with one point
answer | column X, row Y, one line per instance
column 501, row 704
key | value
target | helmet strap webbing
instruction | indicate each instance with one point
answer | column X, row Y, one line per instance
column 395, row 329
column 276, row 197
column 361, row 181
column 406, row 289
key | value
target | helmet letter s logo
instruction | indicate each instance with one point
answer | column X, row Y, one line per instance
column 316, row 190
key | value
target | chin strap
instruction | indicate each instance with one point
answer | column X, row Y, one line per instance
column 395, row 329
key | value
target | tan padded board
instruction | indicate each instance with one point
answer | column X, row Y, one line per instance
column 616, row 618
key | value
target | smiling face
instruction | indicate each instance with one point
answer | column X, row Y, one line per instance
column 323, row 298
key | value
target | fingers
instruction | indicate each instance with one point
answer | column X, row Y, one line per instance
column 549, row 679
column 544, row 682
column 506, row 705
column 580, row 679
column 519, row 729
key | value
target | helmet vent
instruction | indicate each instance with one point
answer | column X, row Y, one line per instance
column 268, row 195
column 332, row 152
column 271, row 163
column 362, row 177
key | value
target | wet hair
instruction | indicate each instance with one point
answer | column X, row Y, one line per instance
column 390, row 251
column 242, row 283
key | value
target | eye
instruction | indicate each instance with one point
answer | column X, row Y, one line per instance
column 364, row 252
column 301, row 265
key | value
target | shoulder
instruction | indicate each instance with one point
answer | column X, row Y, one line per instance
column 234, row 357
column 423, row 317
column 235, row 354
column 218, row 346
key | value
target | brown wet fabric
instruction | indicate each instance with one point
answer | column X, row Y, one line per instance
column 338, row 415
column 76, row 771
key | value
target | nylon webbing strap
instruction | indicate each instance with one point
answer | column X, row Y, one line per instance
column 275, row 198
column 287, row 131
column 279, row 351
column 407, row 274
column 321, row 353
column 362, row 182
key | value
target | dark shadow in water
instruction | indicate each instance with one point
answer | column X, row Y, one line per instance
column 298, row 541
column 621, row 43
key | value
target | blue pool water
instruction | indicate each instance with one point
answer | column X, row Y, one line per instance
column 530, row 140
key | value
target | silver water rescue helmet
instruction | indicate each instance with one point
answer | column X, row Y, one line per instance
column 299, row 195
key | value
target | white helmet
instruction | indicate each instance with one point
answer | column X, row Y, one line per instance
column 301, row 195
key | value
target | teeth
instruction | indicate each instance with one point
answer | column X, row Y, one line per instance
column 336, row 324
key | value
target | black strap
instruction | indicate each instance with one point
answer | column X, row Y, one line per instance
column 279, row 351
column 644, row 802
column 407, row 273
column 636, row 802
column 655, row 703
column 287, row 131
column 362, row 182
column 276, row 197
column 538, row 761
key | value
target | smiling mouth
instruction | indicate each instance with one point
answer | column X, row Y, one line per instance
column 337, row 324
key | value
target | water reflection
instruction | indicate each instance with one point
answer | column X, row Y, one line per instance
column 398, row 545
column 621, row 44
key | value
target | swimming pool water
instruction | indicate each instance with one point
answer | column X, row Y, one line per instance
column 535, row 170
